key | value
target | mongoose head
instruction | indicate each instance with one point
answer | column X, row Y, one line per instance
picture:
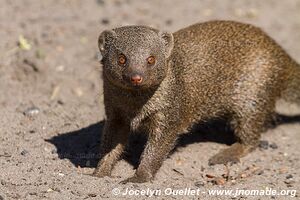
column 135, row 57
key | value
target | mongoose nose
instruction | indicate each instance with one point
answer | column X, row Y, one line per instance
column 136, row 79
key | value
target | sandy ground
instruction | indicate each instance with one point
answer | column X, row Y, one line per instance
column 52, row 112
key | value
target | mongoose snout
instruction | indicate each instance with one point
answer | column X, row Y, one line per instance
column 136, row 79
column 216, row 69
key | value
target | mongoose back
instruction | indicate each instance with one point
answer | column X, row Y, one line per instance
column 161, row 84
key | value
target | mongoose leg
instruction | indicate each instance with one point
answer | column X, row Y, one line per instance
column 157, row 148
column 247, row 129
column 231, row 154
column 114, row 139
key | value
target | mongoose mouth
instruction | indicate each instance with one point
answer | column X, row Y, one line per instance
column 138, row 87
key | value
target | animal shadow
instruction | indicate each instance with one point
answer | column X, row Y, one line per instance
column 82, row 146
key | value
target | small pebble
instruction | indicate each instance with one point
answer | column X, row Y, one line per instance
column 5, row 154
column 101, row 2
column 47, row 149
column 199, row 183
column 202, row 168
column 49, row 190
column 32, row 193
column 169, row 22
column 273, row 146
column 61, row 174
column 289, row 176
column 105, row 21
column 210, row 176
column 60, row 102
column 219, row 181
column 178, row 161
column 260, row 172
column 92, row 195
column 264, row 144
column 24, row 152
column 32, row 111
column 60, row 68
column 32, row 64
column 289, row 183
column 283, row 170
column 57, row 190
column 244, row 175
column 78, row 91
column 3, row 182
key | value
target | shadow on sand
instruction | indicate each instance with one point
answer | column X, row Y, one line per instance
column 81, row 146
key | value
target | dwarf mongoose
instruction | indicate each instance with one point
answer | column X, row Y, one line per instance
column 161, row 84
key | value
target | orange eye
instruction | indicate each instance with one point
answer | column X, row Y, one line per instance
column 151, row 60
column 122, row 59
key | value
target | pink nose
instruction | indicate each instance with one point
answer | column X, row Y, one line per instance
column 136, row 79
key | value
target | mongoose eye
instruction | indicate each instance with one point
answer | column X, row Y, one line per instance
column 151, row 60
column 122, row 59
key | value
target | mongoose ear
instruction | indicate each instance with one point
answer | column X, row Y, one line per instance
column 168, row 41
column 105, row 38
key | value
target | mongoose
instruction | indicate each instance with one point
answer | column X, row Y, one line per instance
column 161, row 84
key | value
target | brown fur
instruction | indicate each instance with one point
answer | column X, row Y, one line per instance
column 207, row 70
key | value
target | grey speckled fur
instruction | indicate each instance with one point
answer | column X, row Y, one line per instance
column 207, row 70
